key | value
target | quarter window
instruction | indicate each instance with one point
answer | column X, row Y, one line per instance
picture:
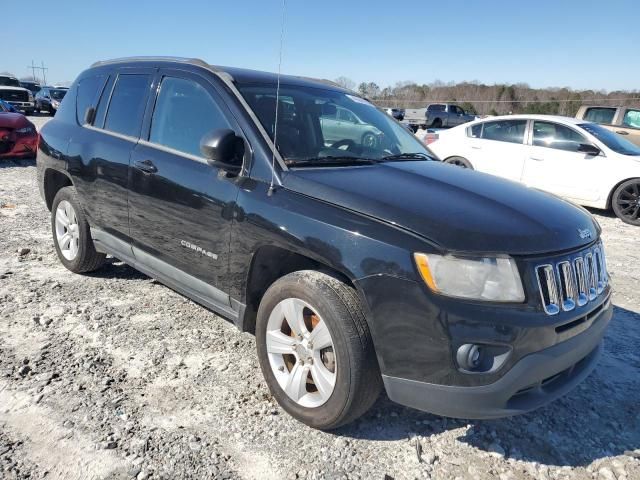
column 511, row 131
column 184, row 113
column 475, row 131
column 631, row 119
column 554, row 135
column 126, row 108
column 600, row 115
column 88, row 89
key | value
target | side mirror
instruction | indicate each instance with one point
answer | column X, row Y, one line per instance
column 223, row 149
column 89, row 116
column 589, row 149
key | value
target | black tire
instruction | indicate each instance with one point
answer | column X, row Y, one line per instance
column 87, row 259
column 437, row 123
column 459, row 162
column 358, row 380
column 625, row 202
column 52, row 111
column 371, row 143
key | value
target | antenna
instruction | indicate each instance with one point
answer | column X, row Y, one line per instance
column 275, row 126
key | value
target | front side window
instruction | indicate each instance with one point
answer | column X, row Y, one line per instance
column 600, row 115
column 184, row 113
column 612, row 140
column 475, row 131
column 317, row 125
column 510, row 131
column 126, row 107
column 631, row 119
column 554, row 135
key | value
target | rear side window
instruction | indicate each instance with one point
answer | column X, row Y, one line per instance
column 436, row 108
column 554, row 135
column 126, row 108
column 511, row 131
column 88, row 91
column 631, row 119
column 184, row 113
column 600, row 115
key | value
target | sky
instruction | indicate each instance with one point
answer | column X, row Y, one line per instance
column 580, row 44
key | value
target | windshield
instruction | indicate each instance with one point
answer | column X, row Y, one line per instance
column 9, row 82
column 318, row 126
column 57, row 94
column 612, row 140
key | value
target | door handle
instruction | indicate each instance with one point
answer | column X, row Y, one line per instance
column 622, row 132
column 146, row 166
column 536, row 159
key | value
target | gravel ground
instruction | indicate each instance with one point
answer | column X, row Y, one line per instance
column 112, row 375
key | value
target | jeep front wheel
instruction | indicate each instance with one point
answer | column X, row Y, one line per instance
column 315, row 349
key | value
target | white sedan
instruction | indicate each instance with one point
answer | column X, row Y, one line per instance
column 580, row 161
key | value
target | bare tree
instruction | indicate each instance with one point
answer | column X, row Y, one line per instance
column 345, row 82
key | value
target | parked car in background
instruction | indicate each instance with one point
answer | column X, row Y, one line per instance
column 49, row 98
column 622, row 120
column 33, row 86
column 437, row 115
column 580, row 161
column 18, row 136
column 397, row 113
column 357, row 266
column 342, row 124
column 19, row 97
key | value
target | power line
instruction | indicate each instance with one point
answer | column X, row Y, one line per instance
column 42, row 68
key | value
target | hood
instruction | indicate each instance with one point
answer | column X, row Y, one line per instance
column 458, row 209
column 13, row 120
column 18, row 89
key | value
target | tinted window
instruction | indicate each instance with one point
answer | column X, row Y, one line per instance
column 511, row 131
column 554, row 135
column 9, row 82
column 436, row 108
column 631, row 119
column 600, row 115
column 126, row 108
column 88, row 89
column 184, row 113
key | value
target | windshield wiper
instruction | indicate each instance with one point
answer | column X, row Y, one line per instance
column 406, row 156
column 329, row 160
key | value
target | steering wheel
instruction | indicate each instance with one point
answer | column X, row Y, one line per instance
column 341, row 143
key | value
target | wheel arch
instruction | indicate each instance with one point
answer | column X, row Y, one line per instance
column 614, row 188
column 53, row 180
column 268, row 264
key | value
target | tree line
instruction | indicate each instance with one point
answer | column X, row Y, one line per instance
column 482, row 99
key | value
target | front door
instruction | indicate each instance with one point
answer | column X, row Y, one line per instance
column 179, row 205
column 554, row 164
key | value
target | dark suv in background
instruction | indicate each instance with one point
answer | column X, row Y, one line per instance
column 49, row 98
column 359, row 265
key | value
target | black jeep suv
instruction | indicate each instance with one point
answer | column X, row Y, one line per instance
column 304, row 214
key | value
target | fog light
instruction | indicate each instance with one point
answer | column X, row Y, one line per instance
column 469, row 356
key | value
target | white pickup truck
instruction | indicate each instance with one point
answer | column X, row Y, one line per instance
column 437, row 115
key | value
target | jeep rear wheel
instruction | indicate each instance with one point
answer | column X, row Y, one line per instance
column 71, row 234
column 315, row 350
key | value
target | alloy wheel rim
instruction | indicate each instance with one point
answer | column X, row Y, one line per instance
column 457, row 163
column 301, row 353
column 629, row 201
column 67, row 230
column 369, row 141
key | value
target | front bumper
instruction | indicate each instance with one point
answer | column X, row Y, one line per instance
column 19, row 146
column 23, row 105
column 536, row 379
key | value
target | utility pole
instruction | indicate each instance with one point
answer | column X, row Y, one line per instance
column 42, row 68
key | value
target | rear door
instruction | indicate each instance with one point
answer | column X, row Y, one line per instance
column 99, row 152
column 497, row 147
column 179, row 205
column 554, row 164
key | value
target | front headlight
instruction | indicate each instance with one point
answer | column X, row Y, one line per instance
column 30, row 97
column 493, row 279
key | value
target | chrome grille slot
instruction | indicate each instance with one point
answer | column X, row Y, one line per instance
column 572, row 282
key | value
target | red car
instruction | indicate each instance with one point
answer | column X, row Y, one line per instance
column 18, row 136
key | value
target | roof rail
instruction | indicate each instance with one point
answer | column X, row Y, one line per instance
column 193, row 61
